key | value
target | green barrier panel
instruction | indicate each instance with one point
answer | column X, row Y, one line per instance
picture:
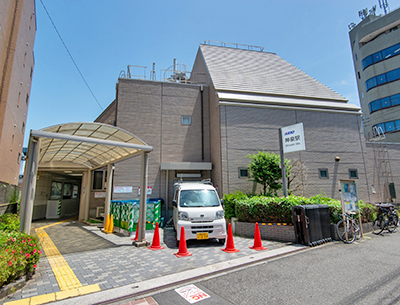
column 115, row 211
column 127, row 213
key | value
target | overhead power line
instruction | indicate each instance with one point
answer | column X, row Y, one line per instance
column 70, row 55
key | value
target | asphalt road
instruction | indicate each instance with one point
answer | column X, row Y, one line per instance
column 365, row 272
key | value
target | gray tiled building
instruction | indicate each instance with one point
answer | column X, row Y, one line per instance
column 375, row 44
column 231, row 106
column 17, row 37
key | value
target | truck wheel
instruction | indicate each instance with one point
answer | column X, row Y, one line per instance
column 221, row 241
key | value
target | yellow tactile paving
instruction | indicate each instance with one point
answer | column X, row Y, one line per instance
column 64, row 275
column 42, row 299
column 56, row 296
column 57, row 223
column 69, row 284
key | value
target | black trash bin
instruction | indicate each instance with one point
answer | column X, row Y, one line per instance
column 311, row 224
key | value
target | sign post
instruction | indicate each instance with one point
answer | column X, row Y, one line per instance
column 291, row 138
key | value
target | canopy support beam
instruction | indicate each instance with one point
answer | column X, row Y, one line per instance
column 29, row 186
column 143, row 198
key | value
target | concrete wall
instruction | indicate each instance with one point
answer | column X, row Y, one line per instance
column 201, row 75
column 383, row 165
column 153, row 111
column 18, row 29
column 327, row 135
column 109, row 115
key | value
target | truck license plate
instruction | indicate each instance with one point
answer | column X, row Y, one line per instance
column 202, row 235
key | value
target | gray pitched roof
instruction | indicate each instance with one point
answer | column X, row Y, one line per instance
column 261, row 73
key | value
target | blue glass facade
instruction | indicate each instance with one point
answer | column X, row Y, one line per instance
column 385, row 102
column 382, row 79
column 381, row 55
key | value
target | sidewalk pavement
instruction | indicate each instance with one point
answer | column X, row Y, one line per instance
column 118, row 269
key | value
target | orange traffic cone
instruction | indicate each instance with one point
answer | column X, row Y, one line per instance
column 182, row 245
column 137, row 232
column 230, row 247
column 107, row 224
column 156, row 240
column 257, row 240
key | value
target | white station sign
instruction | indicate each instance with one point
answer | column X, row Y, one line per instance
column 293, row 138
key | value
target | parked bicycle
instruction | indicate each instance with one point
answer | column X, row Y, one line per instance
column 387, row 219
column 348, row 229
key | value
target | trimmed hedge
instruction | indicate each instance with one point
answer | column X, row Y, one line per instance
column 279, row 209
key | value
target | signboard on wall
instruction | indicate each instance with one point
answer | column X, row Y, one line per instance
column 293, row 138
column 100, row 195
column 149, row 190
column 348, row 193
column 122, row 189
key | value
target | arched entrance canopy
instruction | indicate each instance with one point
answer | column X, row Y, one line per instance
column 85, row 146
column 90, row 145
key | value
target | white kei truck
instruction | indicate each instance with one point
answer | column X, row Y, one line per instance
column 198, row 209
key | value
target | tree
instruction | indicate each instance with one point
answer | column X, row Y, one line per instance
column 297, row 180
column 265, row 169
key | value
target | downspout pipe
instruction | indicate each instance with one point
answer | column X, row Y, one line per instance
column 202, row 121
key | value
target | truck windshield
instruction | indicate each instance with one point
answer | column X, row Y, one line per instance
column 198, row 198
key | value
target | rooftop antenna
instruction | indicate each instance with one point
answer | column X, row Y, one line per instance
column 153, row 72
column 363, row 13
column 383, row 4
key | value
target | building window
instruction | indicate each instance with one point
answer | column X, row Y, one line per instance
column 99, row 179
column 385, row 127
column 243, row 172
column 385, row 102
column 19, row 158
column 353, row 174
column 381, row 55
column 186, row 120
column 381, row 79
column 323, row 173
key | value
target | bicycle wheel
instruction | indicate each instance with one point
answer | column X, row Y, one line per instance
column 378, row 225
column 345, row 231
column 392, row 223
column 357, row 231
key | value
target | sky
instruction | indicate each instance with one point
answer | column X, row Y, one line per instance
column 104, row 37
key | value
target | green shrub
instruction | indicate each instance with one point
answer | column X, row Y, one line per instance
column 267, row 209
column 230, row 203
column 279, row 209
column 19, row 252
column 368, row 211
column 9, row 222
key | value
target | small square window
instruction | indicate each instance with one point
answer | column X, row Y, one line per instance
column 243, row 172
column 186, row 120
column 353, row 174
column 323, row 173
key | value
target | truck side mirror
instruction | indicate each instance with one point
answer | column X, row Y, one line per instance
column 174, row 204
column 222, row 202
